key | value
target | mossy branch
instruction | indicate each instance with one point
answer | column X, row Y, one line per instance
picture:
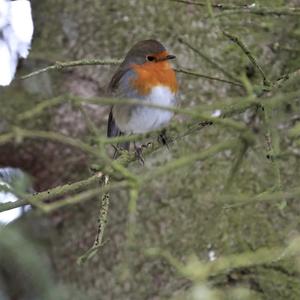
column 193, row 113
column 250, row 9
column 234, row 201
column 76, row 63
column 195, row 74
column 187, row 160
column 18, row 134
column 251, row 57
column 240, row 153
column 104, row 200
column 198, row 271
column 204, row 4
column 265, row 110
column 87, row 62
column 209, row 60
column 50, row 194
column 271, row 153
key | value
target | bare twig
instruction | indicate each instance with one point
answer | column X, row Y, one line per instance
column 270, row 147
column 245, row 49
column 242, row 149
column 263, row 11
column 234, row 201
column 193, row 113
column 251, row 9
column 132, row 214
column 19, row 134
column 204, row 4
column 199, row 271
column 40, row 107
column 209, row 60
column 63, row 65
column 88, row 62
column 187, row 160
column 192, row 73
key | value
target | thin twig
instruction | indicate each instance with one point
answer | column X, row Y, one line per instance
column 89, row 123
column 251, row 9
column 80, row 197
column 75, row 199
column 245, row 49
column 242, row 149
column 104, row 205
column 187, row 160
column 193, row 113
column 234, row 201
column 192, row 73
column 129, row 179
column 40, row 107
column 209, row 60
column 102, row 221
column 83, row 62
column 132, row 211
column 19, row 134
column 262, row 11
column 11, row 205
column 88, row 62
column 199, row 271
column 50, row 194
column 271, row 153
column 204, row 4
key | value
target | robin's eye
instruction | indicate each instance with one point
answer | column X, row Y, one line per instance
column 150, row 58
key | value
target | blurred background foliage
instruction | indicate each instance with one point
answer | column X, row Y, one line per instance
column 204, row 210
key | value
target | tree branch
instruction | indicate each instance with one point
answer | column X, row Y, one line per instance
column 245, row 49
column 192, row 73
column 19, row 134
column 76, row 63
column 251, row 9
column 50, row 194
column 209, row 60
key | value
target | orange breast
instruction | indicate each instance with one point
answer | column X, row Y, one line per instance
column 152, row 74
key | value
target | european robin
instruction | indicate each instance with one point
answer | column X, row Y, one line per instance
column 146, row 75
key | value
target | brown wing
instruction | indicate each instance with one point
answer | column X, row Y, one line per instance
column 112, row 128
column 114, row 83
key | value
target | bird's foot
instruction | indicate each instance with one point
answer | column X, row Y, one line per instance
column 139, row 153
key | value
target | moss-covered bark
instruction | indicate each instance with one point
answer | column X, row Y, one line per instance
column 182, row 212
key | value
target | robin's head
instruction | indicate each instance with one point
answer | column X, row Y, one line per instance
column 150, row 51
column 149, row 61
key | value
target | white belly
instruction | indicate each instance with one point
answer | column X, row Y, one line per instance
column 143, row 119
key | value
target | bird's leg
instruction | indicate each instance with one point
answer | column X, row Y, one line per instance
column 119, row 148
column 139, row 153
column 163, row 139
column 116, row 151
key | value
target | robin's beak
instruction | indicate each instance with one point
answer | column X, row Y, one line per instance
column 170, row 56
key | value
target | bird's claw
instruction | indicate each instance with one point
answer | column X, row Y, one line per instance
column 139, row 153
